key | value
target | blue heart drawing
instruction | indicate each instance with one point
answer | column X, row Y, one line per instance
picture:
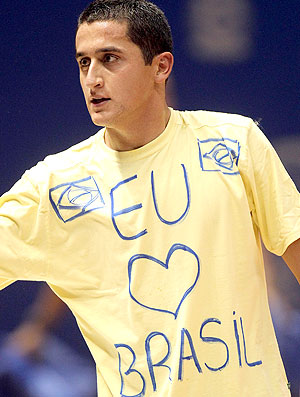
column 165, row 265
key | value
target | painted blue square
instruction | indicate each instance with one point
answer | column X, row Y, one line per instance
column 219, row 155
column 71, row 200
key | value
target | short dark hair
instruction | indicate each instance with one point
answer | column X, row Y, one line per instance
column 148, row 27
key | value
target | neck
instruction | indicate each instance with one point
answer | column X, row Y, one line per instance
column 138, row 132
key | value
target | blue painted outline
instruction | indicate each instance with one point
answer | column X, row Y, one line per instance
column 188, row 194
column 84, row 189
column 193, row 356
column 174, row 248
column 253, row 364
column 211, row 339
column 161, row 362
column 237, row 338
column 129, row 371
column 124, row 211
column 222, row 142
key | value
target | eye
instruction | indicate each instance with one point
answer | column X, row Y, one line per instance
column 84, row 63
column 108, row 58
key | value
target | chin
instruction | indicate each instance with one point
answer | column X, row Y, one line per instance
column 99, row 121
column 106, row 119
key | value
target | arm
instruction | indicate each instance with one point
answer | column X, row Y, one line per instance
column 23, row 234
column 42, row 315
column 292, row 258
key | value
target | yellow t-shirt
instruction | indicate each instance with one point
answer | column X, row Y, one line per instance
column 157, row 253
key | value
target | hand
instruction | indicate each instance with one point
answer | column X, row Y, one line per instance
column 27, row 340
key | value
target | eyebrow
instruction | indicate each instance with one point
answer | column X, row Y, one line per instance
column 99, row 50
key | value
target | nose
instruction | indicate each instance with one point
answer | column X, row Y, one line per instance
column 94, row 77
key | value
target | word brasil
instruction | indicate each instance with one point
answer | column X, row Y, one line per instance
column 186, row 344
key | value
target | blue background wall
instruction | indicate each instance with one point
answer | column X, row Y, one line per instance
column 43, row 111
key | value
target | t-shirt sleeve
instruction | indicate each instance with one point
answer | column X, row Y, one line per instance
column 24, row 235
column 273, row 197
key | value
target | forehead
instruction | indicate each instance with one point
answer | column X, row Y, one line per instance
column 102, row 33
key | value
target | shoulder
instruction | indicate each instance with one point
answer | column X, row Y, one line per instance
column 66, row 162
column 203, row 118
column 75, row 154
column 212, row 126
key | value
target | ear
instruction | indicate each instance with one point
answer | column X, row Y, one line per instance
column 163, row 66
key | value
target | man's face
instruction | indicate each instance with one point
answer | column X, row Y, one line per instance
column 116, row 83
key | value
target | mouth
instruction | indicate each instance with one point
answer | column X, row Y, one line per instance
column 98, row 101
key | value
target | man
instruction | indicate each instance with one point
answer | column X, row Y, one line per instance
column 150, row 230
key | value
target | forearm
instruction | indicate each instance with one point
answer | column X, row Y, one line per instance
column 46, row 309
column 29, row 336
column 292, row 258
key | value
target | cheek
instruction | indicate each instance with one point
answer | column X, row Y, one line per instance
column 135, row 86
column 82, row 85
column 85, row 92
